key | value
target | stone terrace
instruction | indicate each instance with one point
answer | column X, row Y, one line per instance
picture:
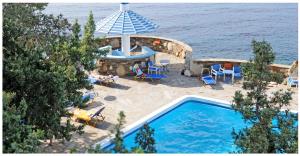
column 138, row 98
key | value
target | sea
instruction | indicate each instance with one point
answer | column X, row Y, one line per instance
column 213, row 30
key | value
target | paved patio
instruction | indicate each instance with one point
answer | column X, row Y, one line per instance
column 139, row 98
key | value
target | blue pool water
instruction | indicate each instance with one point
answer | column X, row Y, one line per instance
column 193, row 127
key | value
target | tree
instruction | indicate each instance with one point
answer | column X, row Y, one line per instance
column 118, row 140
column 270, row 130
column 96, row 149
column 18, row 137
column 40, row 66
column 144, row 139
column 88, row 45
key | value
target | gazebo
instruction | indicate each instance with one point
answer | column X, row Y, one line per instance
column 125, row 22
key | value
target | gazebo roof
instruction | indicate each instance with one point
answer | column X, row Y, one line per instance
column 125, row 22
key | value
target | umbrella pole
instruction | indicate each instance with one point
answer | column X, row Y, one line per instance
column 126, row 44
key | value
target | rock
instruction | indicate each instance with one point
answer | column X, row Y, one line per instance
column 170, row 46
column 103, row 68
column 165, row 44
column 187, row 73
column 121, row 70
column 293, row 71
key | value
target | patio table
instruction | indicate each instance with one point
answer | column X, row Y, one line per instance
column 165, row 64
column 228, row 72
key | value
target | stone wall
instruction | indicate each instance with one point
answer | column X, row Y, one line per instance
column 179, row 49
column 160, row 44
column 198, row 65
column 117, row 67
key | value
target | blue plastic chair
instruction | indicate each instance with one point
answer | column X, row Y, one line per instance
column 237, row 72
column 88, row 96
column 216, row 70
column 208, row 80
column 292, row 82
column 152, row 67
column 141, row 75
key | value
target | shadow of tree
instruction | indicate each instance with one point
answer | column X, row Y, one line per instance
column 218, row 86
column 80, row 145
column 122, row 87
column 79, row 142
column 105, row 125
column 93, row 105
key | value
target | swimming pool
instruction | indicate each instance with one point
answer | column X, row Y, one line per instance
column 192, row 126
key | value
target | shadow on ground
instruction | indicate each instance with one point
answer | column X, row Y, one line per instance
column 76, row 145
column 104, row 125
column 93, row 105
column 110, row 98
column 176, row 79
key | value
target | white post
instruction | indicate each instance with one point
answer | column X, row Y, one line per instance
column 125, row 38
column 123, row 6
column 126, row 44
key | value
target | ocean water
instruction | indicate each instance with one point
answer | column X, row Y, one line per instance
column 212, row 30
column 193, row 127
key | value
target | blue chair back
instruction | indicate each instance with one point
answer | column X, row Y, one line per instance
column 150, row 63
column 237, row 69
column 216, row 67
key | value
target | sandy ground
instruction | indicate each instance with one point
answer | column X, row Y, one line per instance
column 139, row 98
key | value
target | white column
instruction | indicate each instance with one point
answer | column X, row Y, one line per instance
column 123, row 6
column 126, row 44
column 125, row 38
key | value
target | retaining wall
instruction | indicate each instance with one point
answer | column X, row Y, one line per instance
column 192, row 67
column 160, row 44
column 198, row 65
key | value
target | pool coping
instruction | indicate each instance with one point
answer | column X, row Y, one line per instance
column 165, row 109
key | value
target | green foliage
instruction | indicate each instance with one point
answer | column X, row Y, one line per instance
column 97, row 149
column 137, row 150
column 18, row 137
column 89, row 29
column 118, row 140
column 144, row 139
column 42, row 65
column 73, row 150
column 88, row 46
column 260, row 110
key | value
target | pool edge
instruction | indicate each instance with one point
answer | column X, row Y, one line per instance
column 164, row 109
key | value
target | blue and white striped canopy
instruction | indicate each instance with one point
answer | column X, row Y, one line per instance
column 125, row 22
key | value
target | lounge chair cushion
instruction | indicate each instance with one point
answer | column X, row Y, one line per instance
column 156, row 76
column 292, row 81
column 93, row 80
column 88, row 96
column 208, row 80
column 139, row 72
